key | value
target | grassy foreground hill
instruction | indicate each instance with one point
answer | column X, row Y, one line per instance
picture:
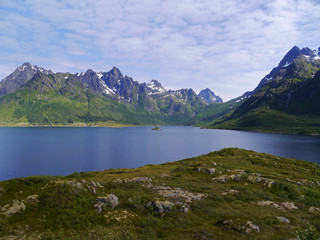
column 228, row 194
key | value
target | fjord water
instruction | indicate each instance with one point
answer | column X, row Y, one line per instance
column 62, row 151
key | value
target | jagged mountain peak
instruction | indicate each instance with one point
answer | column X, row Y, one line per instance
column 20, row 77
column 155, row 87
column 292, row 65
column 209, row 97
column 289, row 57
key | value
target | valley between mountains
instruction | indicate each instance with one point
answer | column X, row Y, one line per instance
column 286, row 100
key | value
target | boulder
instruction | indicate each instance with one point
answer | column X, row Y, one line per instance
column 110, row 200
column 162, row 206
column 211, row 170
column 237, row 178
column 184, row 209
column 99, row 206
column 283, row 219
column 250, row 226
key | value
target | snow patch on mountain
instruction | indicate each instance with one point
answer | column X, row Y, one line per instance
column 287, row 64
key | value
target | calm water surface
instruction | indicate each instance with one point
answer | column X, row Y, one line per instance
column 62, row 151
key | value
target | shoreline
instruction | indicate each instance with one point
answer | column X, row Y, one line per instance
column 123, row 125
column 261, row 131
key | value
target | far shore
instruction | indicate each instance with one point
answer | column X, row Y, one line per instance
column 97, row 124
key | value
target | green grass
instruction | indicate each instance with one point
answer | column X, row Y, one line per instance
column 267, row 120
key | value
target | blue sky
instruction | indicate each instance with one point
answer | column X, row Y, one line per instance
column 228, row 46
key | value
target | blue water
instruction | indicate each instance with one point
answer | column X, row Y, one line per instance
column 62, row 151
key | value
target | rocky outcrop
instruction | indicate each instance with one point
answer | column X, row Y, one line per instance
column 110, row 200
column 16, row 207
column 83, row 184
column 314, row 210
column 162, row 206
column 281, row 206
column 257, row 178
column 135, row 179
column 236, row 226
column 33, row 198
column 176, row 194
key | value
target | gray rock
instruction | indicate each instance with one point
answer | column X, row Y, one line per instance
column 283, row 219
column 184, row 209
column 237, row 178
column 252, row 227
column 99, row 206
column 162, row 206
column 92, row 189
column 110, row 200
column 144, row 179
column 211, row 170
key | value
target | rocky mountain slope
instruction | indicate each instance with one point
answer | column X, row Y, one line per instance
column 209, row 97
column 38, row 96
column 286, row 100
column 229, row 194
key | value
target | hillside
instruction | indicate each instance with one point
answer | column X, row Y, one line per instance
column 228, row 194
column 286, row 100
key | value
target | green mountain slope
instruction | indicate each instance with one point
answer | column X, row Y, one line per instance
column 62, row 99
column 287, row 100
column 216, row 112
column 229, row 194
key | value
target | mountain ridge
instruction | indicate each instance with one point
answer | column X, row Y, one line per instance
column 286, row 100
column 151, row 99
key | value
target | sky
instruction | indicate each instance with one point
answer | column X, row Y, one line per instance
column 225, row 45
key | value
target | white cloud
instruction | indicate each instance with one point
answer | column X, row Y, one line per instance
column 227, row 46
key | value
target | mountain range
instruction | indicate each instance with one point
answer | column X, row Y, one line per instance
column 286, row 100
column 32, row 94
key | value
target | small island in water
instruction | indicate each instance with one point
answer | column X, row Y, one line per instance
column 156, row 128
column 227, row 194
